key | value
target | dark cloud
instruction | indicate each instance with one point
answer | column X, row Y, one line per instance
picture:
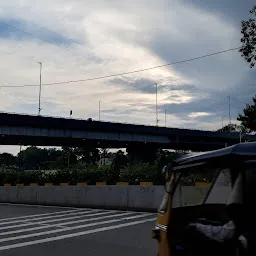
column 13, row 28
column 142, row 85
column 234, row 10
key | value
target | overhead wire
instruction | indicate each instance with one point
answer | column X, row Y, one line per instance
column 112, row 75
column 46, row 29
column 32, row 58
column 129, row 72
column 41, row 39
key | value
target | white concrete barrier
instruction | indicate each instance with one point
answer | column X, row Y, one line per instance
column 146, row 198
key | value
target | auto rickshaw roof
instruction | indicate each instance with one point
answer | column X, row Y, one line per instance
column 241, row 149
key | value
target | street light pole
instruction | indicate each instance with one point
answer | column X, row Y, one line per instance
column 156, row 107
column 40, row 87
column 222, row 123
column 99, row 109
column 229, row 112
column 165, row 116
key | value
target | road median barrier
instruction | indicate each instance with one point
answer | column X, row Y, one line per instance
column 64, row 184
column 20, row 185
column 100, row 183
column 203, row 184
column 48, row 184
column 146, row 184
column 81, row 184
column 33, row 185
column 122, row 184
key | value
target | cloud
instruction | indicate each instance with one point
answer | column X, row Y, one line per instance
column 199, row 114
column 122, row 36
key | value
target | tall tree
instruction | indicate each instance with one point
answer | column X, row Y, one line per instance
column 36, row 158
column 120, row 160
column 248, row 118
column 248, row 39
column 233, row 128
column 87, row 155
column 31, row 158
column 7, row 159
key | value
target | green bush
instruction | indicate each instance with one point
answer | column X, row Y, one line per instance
column 140, row 173
column 90, row 174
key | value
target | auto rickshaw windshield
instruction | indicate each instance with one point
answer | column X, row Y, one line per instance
column 202, row 185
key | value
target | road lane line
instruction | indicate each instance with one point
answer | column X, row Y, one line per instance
column 59, row 207
column 27, row 223
column 57, row 238
column 58, row 230
column 92, row 219
column 17, row 226
column 73, row 217
column 49, row 217
column 26, row 230
column 37, row 215
column 60, row 226
column 142, row 215
column 42, row 206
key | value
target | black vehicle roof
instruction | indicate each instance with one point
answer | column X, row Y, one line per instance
column 242, row 149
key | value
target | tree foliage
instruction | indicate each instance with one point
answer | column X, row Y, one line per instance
column 82, row 167
column 233, row 128
column 87, row 155
column 248, row 118
column 7, row 160
column 248, row 39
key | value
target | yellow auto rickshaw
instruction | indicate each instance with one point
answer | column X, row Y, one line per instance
column 198, row 189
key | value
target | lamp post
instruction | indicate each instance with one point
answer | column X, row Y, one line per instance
column 40, row 87
column 157, row 120
column 222, row 122
column 165, row 111
column 99, row 109
column 229, row 113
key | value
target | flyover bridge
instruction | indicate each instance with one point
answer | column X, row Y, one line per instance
column 20, row 129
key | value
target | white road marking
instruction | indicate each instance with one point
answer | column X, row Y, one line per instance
column 49, row 217
column 17, row 226
column 41, row 206
column 59, row 230
column 73, row 217
column 50, row 226
column 142, row 215
column 37, row 215
column 25, row 230
column 59, row 207
column 92, row 219
column 56, row 238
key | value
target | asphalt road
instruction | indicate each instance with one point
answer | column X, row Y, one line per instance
column 36, row 230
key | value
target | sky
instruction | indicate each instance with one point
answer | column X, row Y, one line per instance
column 78, row 40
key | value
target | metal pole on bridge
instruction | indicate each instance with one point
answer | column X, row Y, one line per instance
column 40, row 87
column 157, row 120
column 99, row 109
column 165, row 116
column 222, row 123
column 229, row 112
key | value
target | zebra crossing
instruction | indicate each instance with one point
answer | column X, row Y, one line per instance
column 35, row 229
